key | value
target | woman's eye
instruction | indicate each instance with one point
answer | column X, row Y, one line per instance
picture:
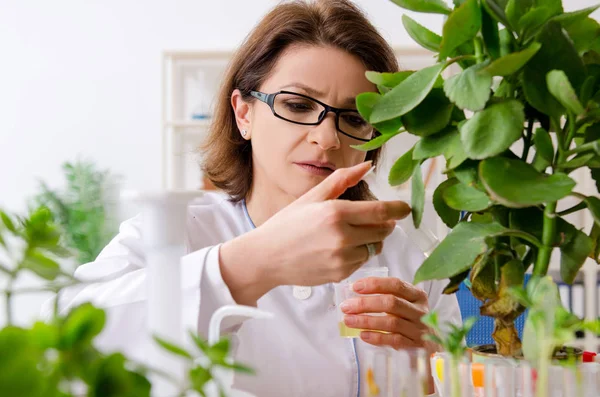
column 298, row 106
column 354, row 120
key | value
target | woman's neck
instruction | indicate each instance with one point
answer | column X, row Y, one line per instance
column 265, row 200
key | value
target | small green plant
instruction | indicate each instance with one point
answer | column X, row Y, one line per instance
column 84, row 209
column 520, row 116
column 453, row 343
column 57, row 358
column 549, row 326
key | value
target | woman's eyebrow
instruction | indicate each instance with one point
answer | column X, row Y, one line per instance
column 350, row 101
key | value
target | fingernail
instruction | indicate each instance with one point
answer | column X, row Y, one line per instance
column 346, row 306
column 350, row 320
column 358, row 286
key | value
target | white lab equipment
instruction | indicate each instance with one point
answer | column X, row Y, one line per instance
column 163, row 232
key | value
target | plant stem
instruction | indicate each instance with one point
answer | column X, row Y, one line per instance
column 571, row 130
column 541, row 385
column 540, row 268
column 582, row 148
column 8, row 297
column 455, row 377
column 574, row 208
column 478, row 49
column 527, row 140
column 543, row 259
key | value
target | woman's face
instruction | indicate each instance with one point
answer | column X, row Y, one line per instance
column 290, row 158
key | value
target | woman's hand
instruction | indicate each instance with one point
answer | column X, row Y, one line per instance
column 315, row 240
column 403, row 305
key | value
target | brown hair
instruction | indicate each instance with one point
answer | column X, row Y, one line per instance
column 337, row 23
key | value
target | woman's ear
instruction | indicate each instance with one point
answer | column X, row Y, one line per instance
column 242, row 111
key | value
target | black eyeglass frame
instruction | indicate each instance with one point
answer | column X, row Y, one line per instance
column 269, row 99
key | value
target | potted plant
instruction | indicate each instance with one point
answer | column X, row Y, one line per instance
column 58, row 358
column 521, row 115
column 85, row 209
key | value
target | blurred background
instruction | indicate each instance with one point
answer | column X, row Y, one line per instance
column 116, row 88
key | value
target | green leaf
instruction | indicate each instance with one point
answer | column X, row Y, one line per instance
column 511, row 63
column 469, row 89
column 177, row 350
column 19, row 361
column 496, row 9
column 507, row 42
column 44, row 335
column 407, row 95
column 583, row 33
column 375, row 143
column 569, row 18
column 112, row 378
column 455, row 282
column 365, row 103
column 515, row 9
column 558, row 53
column 493, row 130
column 595, row 173
column 417, row 194
column 423, row 36
column 467, row 174
column 430, row 116
column 455, row 152
column 448, row 215
column 402, row 169
column 82, row 325
column 490, row 33
column 457, row 252
column 573, row 255
column 462, row 25
column 8, row 222
column 483, row 279
column 559, row 86
column 587, row 89
column 505, row 181
column 387, row 79
column 238, row 368
column 466, row 198
column 593, row 204
column 535, row 18
column 199, row 377
column 543, row 145
column 577, row 162
column 434, row 145
column 426, row 6
column 41, row 265
column 595, row 236
column 201, row 343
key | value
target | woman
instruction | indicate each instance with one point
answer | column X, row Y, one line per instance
column 279, row 147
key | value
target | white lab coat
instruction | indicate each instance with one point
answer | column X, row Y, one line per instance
column 299, row 353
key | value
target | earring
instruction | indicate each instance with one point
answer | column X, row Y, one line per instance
column 244, row 132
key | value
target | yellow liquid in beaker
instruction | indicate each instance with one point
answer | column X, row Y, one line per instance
column 347, row 332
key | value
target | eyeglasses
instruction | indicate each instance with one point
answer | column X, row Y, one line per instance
column 302, row 109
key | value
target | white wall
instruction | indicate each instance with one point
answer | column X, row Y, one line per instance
column 84, row 78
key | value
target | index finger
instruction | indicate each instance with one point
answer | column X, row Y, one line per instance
column 372, row 212
column 336, row 184
column 389, row 285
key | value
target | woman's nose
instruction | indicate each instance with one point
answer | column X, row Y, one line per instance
column 325, row 134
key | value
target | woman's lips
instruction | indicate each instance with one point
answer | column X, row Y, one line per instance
column 321, row 171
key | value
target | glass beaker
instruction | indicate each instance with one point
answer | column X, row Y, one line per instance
column 386, row 372
column 344, row 291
